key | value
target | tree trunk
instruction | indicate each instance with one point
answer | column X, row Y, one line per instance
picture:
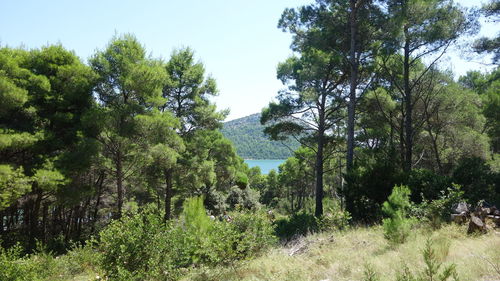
column 95, row 217
column 408, row 104
column 45, row 216
column 33, row 222
column 319, row 159
column 436, row 149
column 351, row 109
column 168, row 194
column 119, row 183
column 319, row 177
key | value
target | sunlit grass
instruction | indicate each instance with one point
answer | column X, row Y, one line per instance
column 346, row 255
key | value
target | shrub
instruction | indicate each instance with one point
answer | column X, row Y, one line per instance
column 243, row 198
column 241, row 180
column 12, row 266
column 134, row 247
column 256, row 232
column 437, row 211
column 215, row 202
column 369, row 186
column 334, row 217
column 297, row 224
column 432, row 268
column 224, row 242
column 426, row 184
column 369, row 274
column 80, row 258
column 397, row 225
column 142, row 247
column 477, row 180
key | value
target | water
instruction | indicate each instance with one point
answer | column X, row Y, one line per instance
column 265, row 165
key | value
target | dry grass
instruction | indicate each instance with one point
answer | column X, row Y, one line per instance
column 346, row 255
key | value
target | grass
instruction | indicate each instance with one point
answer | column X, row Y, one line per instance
column 348, row 255
column 354, row 254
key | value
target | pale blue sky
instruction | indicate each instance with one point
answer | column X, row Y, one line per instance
column 238, row 41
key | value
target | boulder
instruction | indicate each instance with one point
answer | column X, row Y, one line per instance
column 476, row 225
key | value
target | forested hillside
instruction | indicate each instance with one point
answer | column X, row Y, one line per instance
column 248, row 137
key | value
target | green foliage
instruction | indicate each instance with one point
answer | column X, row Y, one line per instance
column 255, row 233
column 13, row 184
column 134, row 246
column 303, row 223
column 369, row 274
column 241, row 180
column 334, row 217
column 248, row 137
column 397, row 225
column 244, row 198
column 477, row 180
column 43, row 266
column 13, row 267
column 297, row 224
column 187, row 93
column 485, row 44
column 426, row 184
column 194, row 216
column 142, row 247
column 369, row 186
column 215, row 202
column 433, row 268
column 435, row 212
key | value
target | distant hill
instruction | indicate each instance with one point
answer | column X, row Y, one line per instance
column 247, row 135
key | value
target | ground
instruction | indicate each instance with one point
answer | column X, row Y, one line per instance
column 347, row 255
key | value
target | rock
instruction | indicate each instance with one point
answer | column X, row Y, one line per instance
column 460, row 208
column 476, row 225
column 459, row 218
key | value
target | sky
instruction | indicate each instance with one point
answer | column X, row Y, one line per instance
column 237, row 41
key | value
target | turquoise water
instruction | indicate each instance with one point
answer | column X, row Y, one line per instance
column 265, row 165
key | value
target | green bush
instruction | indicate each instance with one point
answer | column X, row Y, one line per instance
column 135, row 248
column 369, row 186
column 13, row 267
column 255, row 232
column 142, row 247
column 426, row 184
column 80, row 259
column 215, row 202
column 334, row 217
column 432, row 270
column 435, row 212
column 297, row 224
column 241, row 180
column 397, row 225
column 247, row 198
column 477, row 180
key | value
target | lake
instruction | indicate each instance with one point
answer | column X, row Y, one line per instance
column 265, row 165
